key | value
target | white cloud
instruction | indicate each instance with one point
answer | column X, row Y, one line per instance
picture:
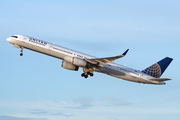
column 79, row 108
column 3, row 117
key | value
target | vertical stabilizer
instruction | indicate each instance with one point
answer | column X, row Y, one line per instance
column 157, row 69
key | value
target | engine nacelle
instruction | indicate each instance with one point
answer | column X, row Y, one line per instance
column 69, row 66
column 79, row 62
column 76, row 61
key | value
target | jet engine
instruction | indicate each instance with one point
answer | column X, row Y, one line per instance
column 69, row 66
column 76, row 61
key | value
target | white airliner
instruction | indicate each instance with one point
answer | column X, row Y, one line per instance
column 72, row 60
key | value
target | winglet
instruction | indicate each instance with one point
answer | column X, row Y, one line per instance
column 125, row 52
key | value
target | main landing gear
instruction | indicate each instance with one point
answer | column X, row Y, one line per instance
column 87, row 71
column 21, row 54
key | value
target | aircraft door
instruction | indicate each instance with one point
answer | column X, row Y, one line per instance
column 51, row 48
column 23, row 39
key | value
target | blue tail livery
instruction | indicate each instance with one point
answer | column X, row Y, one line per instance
column 157, row 69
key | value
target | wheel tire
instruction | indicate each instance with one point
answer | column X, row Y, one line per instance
column 83, row 74
column 86, row 76
column 91, row 74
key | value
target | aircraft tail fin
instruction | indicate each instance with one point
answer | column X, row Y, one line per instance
column 157, row 69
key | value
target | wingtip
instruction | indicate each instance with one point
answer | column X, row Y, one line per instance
column 125, row 52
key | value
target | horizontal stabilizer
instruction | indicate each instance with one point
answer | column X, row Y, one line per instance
column 160, row 79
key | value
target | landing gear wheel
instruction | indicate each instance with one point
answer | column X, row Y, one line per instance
column 91, row 74
column 21, row 54
column 83, row 74
column 86, row 76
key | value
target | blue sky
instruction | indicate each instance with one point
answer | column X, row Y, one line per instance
column 36, row 87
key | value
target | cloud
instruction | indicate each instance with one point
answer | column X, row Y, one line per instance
column 39, row 112
column 110, row 101
column 43, row 112
column 107, row 108
column 82, row 103
column 87, row 102
column 60, row 114
column 4, row 117
column 112, row 118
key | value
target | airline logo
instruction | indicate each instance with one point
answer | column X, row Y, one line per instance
column 37, row 41
column 153, row 70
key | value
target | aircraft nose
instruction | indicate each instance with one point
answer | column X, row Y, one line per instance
column 9, row 40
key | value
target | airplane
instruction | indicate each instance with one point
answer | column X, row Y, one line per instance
column 72, row 60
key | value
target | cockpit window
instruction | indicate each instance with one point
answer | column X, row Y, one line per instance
column 14, row 36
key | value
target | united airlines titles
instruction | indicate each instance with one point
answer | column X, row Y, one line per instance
column 37, row 41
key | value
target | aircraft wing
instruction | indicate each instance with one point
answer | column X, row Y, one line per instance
column 105, row 61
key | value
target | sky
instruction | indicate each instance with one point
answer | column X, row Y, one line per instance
column 36, row 87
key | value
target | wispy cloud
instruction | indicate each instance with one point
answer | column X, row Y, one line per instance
column 82, row 103
column 44, row 112
column 110, row 101
column 111, row 108
column 3, row 117
column 60, row 114
column 39, row 112
column 112, row 118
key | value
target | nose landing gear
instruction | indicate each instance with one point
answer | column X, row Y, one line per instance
column 87, row 71
column 21, row 54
